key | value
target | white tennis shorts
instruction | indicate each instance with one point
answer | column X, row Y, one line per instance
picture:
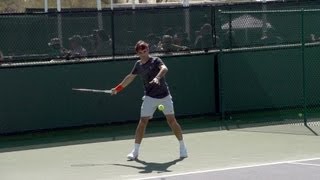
column 149, row 105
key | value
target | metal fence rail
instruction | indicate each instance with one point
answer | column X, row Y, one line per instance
column 39, row 35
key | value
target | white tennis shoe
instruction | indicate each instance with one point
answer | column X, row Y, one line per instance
column 133, row 155
column 183, row 152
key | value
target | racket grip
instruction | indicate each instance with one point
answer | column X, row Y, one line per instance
column 119, row 88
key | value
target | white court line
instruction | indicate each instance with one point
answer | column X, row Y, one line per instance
column 230, row 168
column 305, row 164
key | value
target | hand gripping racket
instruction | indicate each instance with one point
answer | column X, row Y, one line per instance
column 92, row 90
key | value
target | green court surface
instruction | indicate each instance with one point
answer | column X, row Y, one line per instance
column 111, row 132
column 99, row 153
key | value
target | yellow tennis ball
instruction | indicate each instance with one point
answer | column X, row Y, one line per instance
column 161, row 107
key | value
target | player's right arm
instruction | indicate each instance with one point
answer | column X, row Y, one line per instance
column 124, row 83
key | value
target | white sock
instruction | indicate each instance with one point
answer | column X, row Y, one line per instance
column 136, row 147
column 182, row 145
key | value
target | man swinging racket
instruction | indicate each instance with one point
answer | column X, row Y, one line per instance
column 152, row 71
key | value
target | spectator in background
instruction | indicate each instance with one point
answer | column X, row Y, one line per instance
column 88, row 44
column 182, row 39
column 102, row 42
column 313, row 38
column 204, row 39
column 153, row 42
column 227, row 39
column 57, row 51
column 167, row 45
column 169, row 31
column 76, row 50
column 270, row 37
column 1, row 57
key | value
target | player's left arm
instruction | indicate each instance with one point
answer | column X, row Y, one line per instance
column 163, row 70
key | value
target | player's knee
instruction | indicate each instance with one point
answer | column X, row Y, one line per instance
column 171, row 121
column 144, row 121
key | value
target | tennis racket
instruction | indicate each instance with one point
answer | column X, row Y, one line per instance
column 92, row 90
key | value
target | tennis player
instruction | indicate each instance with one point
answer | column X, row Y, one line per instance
column 152, row 71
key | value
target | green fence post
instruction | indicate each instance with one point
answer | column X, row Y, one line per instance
column 303, row 68
column 220, row 44
column 112, row 34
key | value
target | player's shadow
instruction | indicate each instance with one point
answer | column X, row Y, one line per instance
column 149, row 167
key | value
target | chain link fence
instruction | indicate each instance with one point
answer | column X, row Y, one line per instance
column 268, row 68
column 67, row 35
column 86, row 32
